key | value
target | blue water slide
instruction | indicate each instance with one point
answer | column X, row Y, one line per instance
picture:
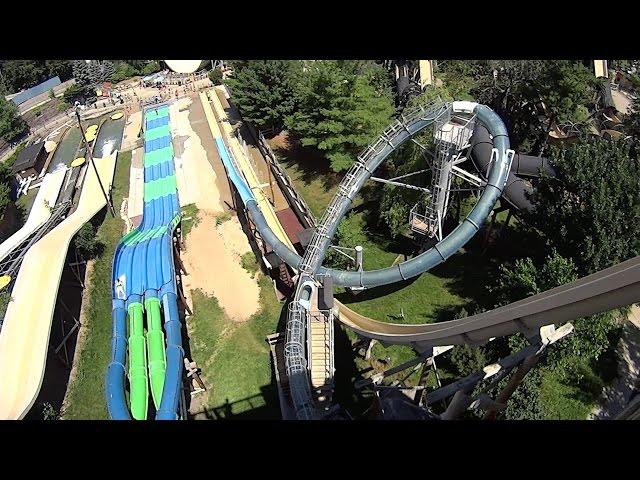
column 144, row 271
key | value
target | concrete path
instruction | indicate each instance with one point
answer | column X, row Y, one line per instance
column 135, row 203
column 194, row 174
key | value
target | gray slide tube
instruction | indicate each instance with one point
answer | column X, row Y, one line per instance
column 516, row 190
column 432, row 257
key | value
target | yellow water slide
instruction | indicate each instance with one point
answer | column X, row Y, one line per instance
column 24, row 338
column 242, row 161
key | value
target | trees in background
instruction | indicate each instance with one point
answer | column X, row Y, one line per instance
column 11, row 123
column 215, row 76
column 591, row 210
column 264, row 91
column 125, row 69
column 336, row 107
column 573, row 363
column 22, row 74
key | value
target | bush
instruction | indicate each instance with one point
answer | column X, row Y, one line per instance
column 467, row 359
column 86, row 242
column 215, row 76
column 249, row 263
column 73, row 93
column 62, row 106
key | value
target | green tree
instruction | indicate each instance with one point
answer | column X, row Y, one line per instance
column 59, row 68
column 467, row 359
column 215, row 76
column 530, row 94
column 263, row 91
column 11, row 123
column 350, row 234
column 108, row 69
column 339, row 112
column 123, row 71
column 72, row 93
column 86, row 241
column 591, row 210
column 152, row 66
column 573, row 361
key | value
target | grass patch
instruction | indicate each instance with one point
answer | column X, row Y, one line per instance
column 249, row 263
column 25, row 202
column 189, row 218
column 234, row 356
column 85, row 394
column 223, row 217
column 310, row 173
column 428, row 298
column 562, row 400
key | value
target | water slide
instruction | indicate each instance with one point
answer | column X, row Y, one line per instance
column 144, row 288
column 517, row 191
column 40, row 212
column 235, row 154
column 605, row 290
column 24, row 339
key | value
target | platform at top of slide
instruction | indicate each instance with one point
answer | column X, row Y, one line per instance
column 24, row 338
column 40, row 212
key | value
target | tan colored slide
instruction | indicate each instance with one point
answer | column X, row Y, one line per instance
column 24, row 338
column 602, row 291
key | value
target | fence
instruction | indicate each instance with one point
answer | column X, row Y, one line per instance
column 285, row 183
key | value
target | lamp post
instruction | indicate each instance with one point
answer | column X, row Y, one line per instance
column 90, row 152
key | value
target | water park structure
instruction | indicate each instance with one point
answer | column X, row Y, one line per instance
column 467, row 147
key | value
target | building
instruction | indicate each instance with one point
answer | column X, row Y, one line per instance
column 30, row 160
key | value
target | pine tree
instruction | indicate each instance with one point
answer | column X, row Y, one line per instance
column 339, row 112
column 263, row 90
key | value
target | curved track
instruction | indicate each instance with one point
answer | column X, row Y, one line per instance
column 611, row 288
column 144, row 286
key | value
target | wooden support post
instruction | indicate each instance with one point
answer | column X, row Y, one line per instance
column 512, row 385
column 485, row 241
column 457, row 407
column 367, row 354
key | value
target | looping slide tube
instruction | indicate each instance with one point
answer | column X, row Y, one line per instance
column 516, row 190
column 425, row 261
column 498, row 171
column 144, row 290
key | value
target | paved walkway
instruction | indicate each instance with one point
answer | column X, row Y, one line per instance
column 617, row 395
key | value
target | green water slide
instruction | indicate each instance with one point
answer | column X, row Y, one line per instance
column 155, row 349
column 139, row 390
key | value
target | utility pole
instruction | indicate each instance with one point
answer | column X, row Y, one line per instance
column 90, row 152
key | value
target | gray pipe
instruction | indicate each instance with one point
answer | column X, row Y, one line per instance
column 516, row 191
column 432, row 257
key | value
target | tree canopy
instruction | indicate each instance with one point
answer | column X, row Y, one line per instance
column 11, row 123
column 591, row 210
column 263, row 90
column 22, row 74
column 530, row 94
column 338, row 112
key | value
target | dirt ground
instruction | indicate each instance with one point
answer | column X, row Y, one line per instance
column 212, row 259
column 194, row 174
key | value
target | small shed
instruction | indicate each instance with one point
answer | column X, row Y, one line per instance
column 30, row 160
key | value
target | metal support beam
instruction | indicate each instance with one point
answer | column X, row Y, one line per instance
column 400, row 184
column 469, row 382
